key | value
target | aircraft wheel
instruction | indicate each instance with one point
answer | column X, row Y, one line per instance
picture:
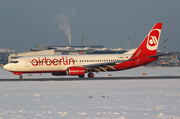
column 81, row 76
column 20, row 76
column 90, row 75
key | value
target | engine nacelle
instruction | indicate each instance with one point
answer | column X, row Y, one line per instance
column 75, row 71
column 58, row 73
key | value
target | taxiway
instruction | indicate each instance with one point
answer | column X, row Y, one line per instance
column 96, row 78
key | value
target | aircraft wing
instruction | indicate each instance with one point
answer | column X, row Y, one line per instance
column 102, row 66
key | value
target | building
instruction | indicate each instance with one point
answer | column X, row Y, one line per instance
column 167, row 60
column 66, row 50
column 4, row 53
column 90, row 49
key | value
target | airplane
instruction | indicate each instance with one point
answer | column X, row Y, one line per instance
column 78, row 65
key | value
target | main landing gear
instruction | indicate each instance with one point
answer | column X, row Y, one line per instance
column 90, row 75
column 81, row 76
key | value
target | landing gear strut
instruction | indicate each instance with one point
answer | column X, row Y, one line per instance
column 81, row 76
column 90, row 75
column 20, row 76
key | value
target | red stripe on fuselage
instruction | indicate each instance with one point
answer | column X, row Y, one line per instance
column 37, row 72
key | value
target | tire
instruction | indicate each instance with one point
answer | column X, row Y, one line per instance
column 90, row 75
column 20, row 77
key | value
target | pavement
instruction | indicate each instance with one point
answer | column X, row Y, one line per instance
column 96, row 78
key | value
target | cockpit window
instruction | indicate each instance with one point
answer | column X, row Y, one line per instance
column 13, row 61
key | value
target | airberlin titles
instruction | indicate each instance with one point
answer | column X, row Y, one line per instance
column 55, row 61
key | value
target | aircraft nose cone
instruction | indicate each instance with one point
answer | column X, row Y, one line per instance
column 6, row 67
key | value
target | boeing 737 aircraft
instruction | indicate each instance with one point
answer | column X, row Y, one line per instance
column 60, row 65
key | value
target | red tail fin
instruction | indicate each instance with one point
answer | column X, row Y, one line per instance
column 150, row 43
column 80, row 53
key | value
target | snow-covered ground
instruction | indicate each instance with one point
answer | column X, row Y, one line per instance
column 150, row 71
column 100, row 99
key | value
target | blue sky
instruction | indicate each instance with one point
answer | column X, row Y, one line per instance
column 26, row 23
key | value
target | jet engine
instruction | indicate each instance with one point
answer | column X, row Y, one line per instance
column 75, row 71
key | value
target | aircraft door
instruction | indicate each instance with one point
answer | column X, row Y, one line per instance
column 26, row 60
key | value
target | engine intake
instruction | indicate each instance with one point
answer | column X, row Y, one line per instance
column 75, row 71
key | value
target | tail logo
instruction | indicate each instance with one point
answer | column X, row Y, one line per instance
column 152, row 39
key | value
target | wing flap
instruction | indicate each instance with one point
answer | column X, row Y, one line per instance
column 102, row 66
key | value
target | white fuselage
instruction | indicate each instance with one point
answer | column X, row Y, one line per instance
column 53, row 63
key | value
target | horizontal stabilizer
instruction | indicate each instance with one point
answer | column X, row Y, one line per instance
column 161, row 55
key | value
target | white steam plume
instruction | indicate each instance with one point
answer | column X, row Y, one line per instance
column 64, row 23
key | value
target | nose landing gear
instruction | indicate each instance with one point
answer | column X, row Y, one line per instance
column 20, row 76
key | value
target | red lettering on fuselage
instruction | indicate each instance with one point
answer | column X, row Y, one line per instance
column 48, row 62
column 55, row 61
column 34, row 62
column 71, row 60
column 39, row 61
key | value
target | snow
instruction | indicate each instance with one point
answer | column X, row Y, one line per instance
column 90, row 99
column 150, row 71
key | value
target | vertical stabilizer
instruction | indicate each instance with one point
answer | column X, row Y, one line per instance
column 150, row 43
